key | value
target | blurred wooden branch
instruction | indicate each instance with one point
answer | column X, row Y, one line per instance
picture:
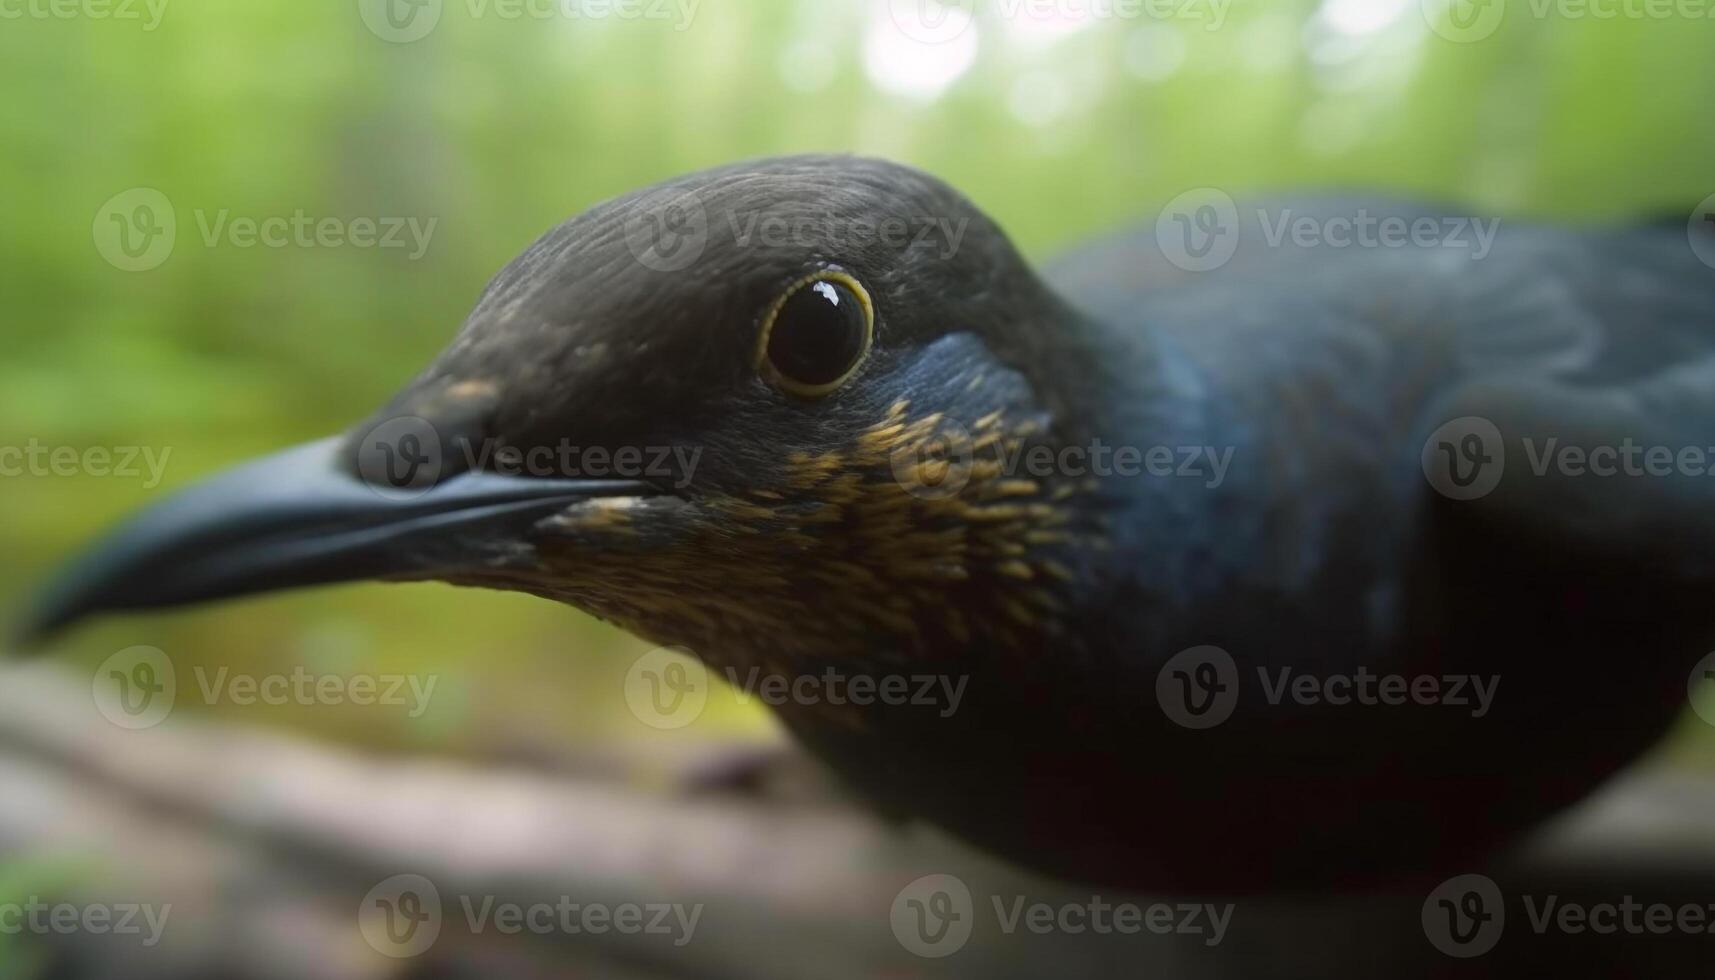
column 266, row 846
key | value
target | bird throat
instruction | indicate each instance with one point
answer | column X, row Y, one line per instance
column 918, row 540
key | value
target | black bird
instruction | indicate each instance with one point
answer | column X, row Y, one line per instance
column 887, row 434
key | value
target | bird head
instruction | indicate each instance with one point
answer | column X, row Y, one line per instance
column 768, row 410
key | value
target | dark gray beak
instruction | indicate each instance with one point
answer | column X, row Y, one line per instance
column 303, row 517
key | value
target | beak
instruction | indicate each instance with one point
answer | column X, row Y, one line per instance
column 303, row 518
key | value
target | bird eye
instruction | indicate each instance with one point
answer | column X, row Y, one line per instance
column 816, row 334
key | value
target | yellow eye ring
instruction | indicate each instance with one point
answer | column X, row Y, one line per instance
column 817, row 334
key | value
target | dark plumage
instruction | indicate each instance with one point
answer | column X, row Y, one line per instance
column 817, row 532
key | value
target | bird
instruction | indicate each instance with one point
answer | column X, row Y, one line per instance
column 1162, row 511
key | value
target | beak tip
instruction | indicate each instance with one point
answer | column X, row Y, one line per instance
column 295, row 519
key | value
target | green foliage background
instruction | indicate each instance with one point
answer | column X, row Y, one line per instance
column 498, row 128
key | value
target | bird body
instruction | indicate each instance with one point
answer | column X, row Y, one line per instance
column 1203, row 551
column 1325, row 552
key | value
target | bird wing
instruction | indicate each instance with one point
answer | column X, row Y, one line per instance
column 1578, row 347
column 1592, row 356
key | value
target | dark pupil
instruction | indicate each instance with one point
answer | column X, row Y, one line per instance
column 817, row 334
